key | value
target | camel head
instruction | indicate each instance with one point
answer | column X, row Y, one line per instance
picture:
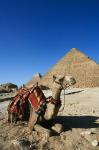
column 69, row 81
column 63, row 82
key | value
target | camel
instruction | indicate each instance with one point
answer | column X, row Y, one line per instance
column 41, row 109
column 59, row 83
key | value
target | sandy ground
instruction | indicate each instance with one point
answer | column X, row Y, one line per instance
column 80, row 119
column 82, row 102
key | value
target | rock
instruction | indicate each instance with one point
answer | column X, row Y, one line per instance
column 86, row 133
column 95, row 143
column 63, row 136
column 1, row 116
column 33, row 146
column 30, row 137
column 57, row 128
column 8, row 87
column 3, row 90
column 93, row 130
column 93, row 111
column 20, row 144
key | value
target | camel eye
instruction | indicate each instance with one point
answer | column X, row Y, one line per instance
column 60, row 80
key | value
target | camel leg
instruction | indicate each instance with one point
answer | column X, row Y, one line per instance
column 33, row 118
column 12, row 118
column 9, row 117
column 31, row 109
column 42, row 130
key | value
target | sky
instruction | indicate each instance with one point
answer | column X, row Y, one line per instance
column 36, row 34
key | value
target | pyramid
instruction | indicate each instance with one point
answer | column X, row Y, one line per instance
column 77, row 64
column 36, row 78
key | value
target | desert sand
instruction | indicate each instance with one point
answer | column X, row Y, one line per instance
column 80, row 118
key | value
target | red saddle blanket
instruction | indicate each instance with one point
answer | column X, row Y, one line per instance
column 35, row 97
column 18, row 103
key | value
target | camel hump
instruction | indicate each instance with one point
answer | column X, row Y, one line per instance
column 20, row 102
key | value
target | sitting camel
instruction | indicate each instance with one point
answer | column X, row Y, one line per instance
column 42, row 109
column 52, row 108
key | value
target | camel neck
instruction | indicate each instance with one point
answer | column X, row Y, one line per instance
column 56, row 94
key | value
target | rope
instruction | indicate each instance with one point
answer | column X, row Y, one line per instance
column 63, row 103
column 64, row 100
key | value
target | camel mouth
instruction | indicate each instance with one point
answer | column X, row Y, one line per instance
column 70, row 80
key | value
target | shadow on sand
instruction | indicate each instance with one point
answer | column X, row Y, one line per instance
column 74, row 92
column 6, row 99
column 77, row 121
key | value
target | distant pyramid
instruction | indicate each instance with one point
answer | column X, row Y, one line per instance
column 36, row 78
column 77, row 64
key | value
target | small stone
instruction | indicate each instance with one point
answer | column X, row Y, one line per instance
column 33, row 146
column 63, row 136
column 93, row 130
column 20, row 144
column 93, row 111
column 46, row 135
column 86, row 133
column 31, row 138
column 95, row 143
column 57, row 128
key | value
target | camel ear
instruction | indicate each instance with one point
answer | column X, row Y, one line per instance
column 54, row 78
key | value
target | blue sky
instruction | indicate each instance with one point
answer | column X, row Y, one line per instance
column 35, row 34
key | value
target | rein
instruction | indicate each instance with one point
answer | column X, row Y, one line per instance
column 64, row 100
column 63, row 103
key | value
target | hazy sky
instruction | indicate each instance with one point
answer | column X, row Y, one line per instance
column 35, row 34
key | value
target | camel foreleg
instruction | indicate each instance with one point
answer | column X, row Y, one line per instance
column 33, row 118
column 42, row 130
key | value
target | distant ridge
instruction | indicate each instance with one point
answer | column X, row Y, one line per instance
column 77, row 64
column 8, row 87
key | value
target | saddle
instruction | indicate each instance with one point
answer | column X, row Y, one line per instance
column 19, row 104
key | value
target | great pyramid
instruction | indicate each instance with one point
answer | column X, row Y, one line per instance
column 77, row 64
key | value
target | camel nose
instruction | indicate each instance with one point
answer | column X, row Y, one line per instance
column 70, row 80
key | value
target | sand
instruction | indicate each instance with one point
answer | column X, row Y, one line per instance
column 80, row 119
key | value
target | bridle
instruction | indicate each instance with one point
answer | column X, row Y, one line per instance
column 64, row 98
column 53, row 101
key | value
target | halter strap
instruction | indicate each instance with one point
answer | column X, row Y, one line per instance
column 50, row 99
